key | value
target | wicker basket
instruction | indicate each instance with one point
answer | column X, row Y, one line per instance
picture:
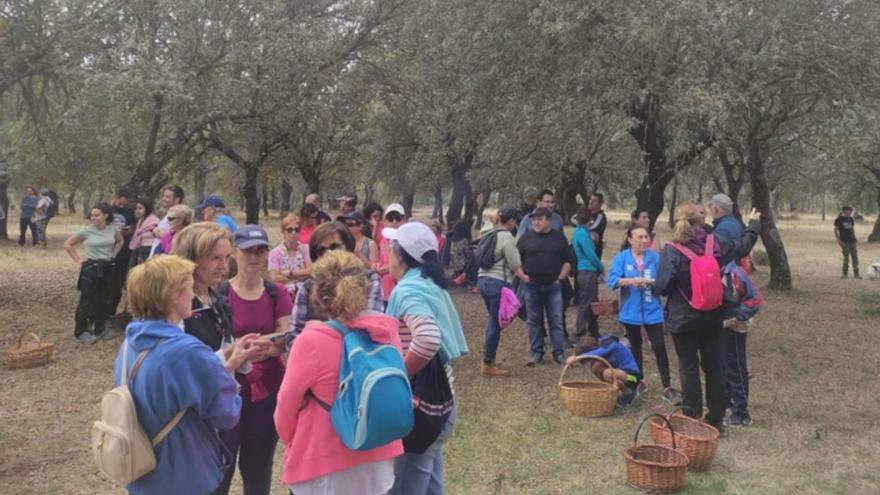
column 605, row 308
column 590, row 399
column 655, row 468
column 29, row 354
column 694, row 437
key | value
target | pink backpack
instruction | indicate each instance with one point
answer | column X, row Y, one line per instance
column 508, row 308
column 706, row 289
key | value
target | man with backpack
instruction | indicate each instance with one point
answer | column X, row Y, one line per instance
column 547, row 260
column 44, row 212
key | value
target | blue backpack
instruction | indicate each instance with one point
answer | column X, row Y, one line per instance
column 374, row 404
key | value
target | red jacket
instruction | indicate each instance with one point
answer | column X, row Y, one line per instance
column 312, row 447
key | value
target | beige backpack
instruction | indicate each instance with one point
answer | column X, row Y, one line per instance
column 121, row 448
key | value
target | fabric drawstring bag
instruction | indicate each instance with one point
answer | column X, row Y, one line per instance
column 508, row 307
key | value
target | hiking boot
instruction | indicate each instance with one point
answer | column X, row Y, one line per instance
column 672, row 396
column 86, row 338
column 535, row 358
column 736, row 422
column 626, row 397
column 492, row 369
column 559, row 358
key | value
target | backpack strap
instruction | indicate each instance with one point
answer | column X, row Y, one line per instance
column 271, row 289
column 311, row 395
column 168, row 427
column 338, row 326
column 686, row 251
column 710, row 245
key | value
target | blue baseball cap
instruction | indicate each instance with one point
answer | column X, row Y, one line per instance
column 250, row 236
column 212, row 200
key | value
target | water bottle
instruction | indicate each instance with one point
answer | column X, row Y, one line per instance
column 649, row 288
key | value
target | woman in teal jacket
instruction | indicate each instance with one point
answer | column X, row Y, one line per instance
column 589, row 267
column 633, row 272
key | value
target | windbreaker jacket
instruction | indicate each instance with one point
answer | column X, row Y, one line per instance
column 637, row 306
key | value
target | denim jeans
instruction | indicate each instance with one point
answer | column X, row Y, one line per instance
column 697, row 349
column 541, row 299
column 490, row 289
column 23, row 225
column 733, row 345
column 422, row 474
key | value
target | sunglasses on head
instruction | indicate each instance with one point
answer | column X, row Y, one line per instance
column 332, row 247
column 291, row 230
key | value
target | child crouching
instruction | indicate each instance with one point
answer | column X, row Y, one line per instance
column 624, row 373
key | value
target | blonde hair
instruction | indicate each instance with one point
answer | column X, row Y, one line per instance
column 152, row 284
column 686, row 217
column 340, row 284
column 291, row 218
column 197, row 241
column 182, row 212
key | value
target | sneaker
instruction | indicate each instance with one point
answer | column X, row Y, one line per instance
column 736, row 422
column 86, row 338
column 536, row 358
column 672, row 396
column 642, row 387
column 492, row 369
column 857, row 276
column 459, row 280
column 626, row 398
column 844, row 276
column 559, row 358
column 475, row 290
column 107, row 335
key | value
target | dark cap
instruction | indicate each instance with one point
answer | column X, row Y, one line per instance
column 250, row 236
column 507, row 212
column 542, row 212
column 212, row 200
column 353, row 216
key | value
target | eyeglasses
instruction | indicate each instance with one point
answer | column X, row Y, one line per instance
column 171, row 219
column 291, row 230
column 332, row 247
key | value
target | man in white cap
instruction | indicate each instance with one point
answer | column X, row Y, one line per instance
column 395, row 216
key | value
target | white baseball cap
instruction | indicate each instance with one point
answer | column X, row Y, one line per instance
column 396, row 208
column 415, row 238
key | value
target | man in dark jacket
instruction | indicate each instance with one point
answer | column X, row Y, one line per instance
column 696, row 334
column 546, row 260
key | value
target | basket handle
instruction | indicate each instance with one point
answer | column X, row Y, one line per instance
column 583, row 358
column 35, row 336
column 645, row 420
column 677, row 409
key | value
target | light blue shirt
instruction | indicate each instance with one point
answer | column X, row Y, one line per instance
column 228, row 222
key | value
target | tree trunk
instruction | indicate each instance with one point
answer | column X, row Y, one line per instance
column 408, row 200
column 311, row 178
column 4, row 202
column 780, row 271
column 286, row 192
column 370, row 192
column 71, row 202
column 460, row 190
column 200, row 183
column 251, row 196
column 481, row 207
column 265, row 199
column 875, row 232
column 673, row 202
column 87, row 204
column 438, row 205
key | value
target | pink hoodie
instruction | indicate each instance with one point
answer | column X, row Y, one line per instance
column 312, row 448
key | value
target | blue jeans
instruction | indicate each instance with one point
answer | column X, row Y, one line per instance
column 490, row 289
column 422, row 474
column 733, row 345
column 541, row 299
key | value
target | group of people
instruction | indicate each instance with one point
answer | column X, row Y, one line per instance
column 254, row 359
column 37, row 207
column 541, row 261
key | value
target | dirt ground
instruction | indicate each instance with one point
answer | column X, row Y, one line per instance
column 812, row 357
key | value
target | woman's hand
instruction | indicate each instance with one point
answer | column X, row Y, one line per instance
column 755, row 215
column 247, row 348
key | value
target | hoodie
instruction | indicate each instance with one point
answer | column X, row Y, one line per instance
column 312, row 448
column 180, row 373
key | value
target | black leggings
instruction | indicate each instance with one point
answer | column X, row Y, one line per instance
column 94, row 287
column 655, row 336
column 253, row 442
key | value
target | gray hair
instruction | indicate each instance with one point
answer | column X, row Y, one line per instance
column 722, row 202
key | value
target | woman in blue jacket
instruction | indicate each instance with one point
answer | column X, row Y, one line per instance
column 179, row 373
column 633, row 272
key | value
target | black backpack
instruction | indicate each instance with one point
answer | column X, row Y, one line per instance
column 53, row 208
column 484, row 255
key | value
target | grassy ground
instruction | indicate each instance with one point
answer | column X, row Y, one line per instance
column 814, row 392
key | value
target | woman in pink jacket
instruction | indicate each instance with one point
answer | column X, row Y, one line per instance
column 315, row 460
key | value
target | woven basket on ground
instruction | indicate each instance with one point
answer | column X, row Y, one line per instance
column 694, row 437
column 654, row 468
column 605, row 308
column 29, row 354
column 591, row 399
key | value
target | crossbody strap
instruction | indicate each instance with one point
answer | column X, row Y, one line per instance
column 134, row 369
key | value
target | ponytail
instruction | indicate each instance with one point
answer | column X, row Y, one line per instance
column 430, row 266
column 686, row 215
